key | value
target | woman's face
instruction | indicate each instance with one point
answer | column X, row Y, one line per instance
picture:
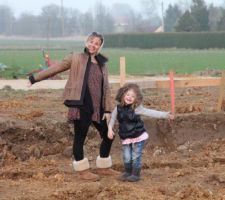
column 130, row 97
column 93, row 44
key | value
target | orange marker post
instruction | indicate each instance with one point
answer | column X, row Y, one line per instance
column 172, row 92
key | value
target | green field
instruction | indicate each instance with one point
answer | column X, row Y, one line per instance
column 22, row 57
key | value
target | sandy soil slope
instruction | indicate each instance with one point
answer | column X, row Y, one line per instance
column 182, row 160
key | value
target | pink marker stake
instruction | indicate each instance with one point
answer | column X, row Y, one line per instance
column 172, row 92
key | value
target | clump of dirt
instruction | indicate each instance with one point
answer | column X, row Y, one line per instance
column 209, row 72
column 10, row 104
column 29, row 116
column 183, row 159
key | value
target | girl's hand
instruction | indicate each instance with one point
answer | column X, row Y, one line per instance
column 106, row 116
column 171, row 117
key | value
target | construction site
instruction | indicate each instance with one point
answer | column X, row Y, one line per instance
column 182, row 159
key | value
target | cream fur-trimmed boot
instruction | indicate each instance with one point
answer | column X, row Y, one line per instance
column 82, row 169
column 104, row 167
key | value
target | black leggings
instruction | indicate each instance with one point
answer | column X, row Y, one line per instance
column 81, row 129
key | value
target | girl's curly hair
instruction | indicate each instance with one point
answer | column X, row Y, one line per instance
column 129, row 86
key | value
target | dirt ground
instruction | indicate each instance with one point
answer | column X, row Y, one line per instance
column 181, row 160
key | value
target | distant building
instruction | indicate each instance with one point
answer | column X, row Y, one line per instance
column 121, row 24
column 160, row 29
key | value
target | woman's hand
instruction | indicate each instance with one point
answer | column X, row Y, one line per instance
column 111, row 134
column 29, row 84
column 106, row 116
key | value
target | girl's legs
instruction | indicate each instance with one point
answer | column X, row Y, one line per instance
column 137, row 149
column 137, row 154
column 127, row 160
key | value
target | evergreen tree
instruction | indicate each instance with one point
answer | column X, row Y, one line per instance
column 201, row 14
column 187, row 23
column 173, row 13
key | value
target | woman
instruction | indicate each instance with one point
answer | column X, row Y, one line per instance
column 88, row 96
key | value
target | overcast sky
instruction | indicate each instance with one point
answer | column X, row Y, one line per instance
column 34, row 6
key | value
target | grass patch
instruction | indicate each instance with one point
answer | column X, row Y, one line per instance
column 148, row 62
column 138, row 61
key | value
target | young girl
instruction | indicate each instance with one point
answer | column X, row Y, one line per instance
column 131, row 128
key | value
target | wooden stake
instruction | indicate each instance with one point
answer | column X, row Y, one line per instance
column 221, row 94
column 122, row 71
column 172, row 92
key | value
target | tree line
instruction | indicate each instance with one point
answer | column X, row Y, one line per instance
column 197, row 18
column 55, row 21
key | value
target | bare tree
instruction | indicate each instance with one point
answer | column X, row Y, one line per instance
column 103, row 19
column 221, row 23
column 151, row 10
column 150, row 7
column 215, row 15
column 27, row 25
column 6, row 20
column 72, row 21
column 87, row 23
column 51, row 20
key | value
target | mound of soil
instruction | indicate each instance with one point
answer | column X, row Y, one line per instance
column 183, row 159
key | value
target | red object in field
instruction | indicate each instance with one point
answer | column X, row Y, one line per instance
column 48, row 60
column 48, row 63
column 172, row 92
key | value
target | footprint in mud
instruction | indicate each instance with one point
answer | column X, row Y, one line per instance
column 15, row 175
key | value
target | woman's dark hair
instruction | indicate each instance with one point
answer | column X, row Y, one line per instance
column 98, row 35
column 129, row 86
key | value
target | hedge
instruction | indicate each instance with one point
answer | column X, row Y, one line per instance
column 190, row 40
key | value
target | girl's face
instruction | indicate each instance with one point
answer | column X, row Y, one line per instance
column 130, row 97
column 93, row 44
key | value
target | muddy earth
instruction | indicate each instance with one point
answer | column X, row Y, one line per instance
column 183, row 159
